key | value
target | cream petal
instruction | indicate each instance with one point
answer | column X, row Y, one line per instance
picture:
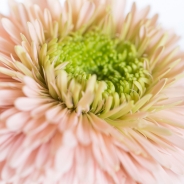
column 34, row 52
column 24, row 57
column 85, row 102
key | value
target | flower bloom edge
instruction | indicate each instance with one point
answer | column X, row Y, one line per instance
column 57, row 128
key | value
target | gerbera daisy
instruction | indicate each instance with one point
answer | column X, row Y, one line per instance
column 89, row 95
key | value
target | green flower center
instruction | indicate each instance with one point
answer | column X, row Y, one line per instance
column 113, row 61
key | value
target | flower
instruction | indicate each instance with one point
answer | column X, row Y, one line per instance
column 89, row 95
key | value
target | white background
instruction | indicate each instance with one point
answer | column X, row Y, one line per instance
column 171, row 13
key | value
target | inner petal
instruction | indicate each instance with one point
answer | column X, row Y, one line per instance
column 112, row 60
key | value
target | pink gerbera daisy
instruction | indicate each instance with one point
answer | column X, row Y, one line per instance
column 89, row 95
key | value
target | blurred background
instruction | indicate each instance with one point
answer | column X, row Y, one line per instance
column 171, row 13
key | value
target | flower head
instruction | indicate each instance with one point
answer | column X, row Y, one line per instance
column 89, row 95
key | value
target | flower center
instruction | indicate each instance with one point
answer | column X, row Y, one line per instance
column 113, row 61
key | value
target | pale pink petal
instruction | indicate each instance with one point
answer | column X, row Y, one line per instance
column 27, row 104
column 17, row 121
column 86, row 13
column 64, row 159
column 11, row 30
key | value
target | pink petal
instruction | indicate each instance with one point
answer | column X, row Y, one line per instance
column 7, row 173
column 27, row 104
column 42, row 156
column 52, row 113
column 64, row 159
column 82, row 133
column 69, row 139
column 9, row 96
column 99, row 124
column 11, row 30
column 56, row 143
column 17, row 121
column 85, row 14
